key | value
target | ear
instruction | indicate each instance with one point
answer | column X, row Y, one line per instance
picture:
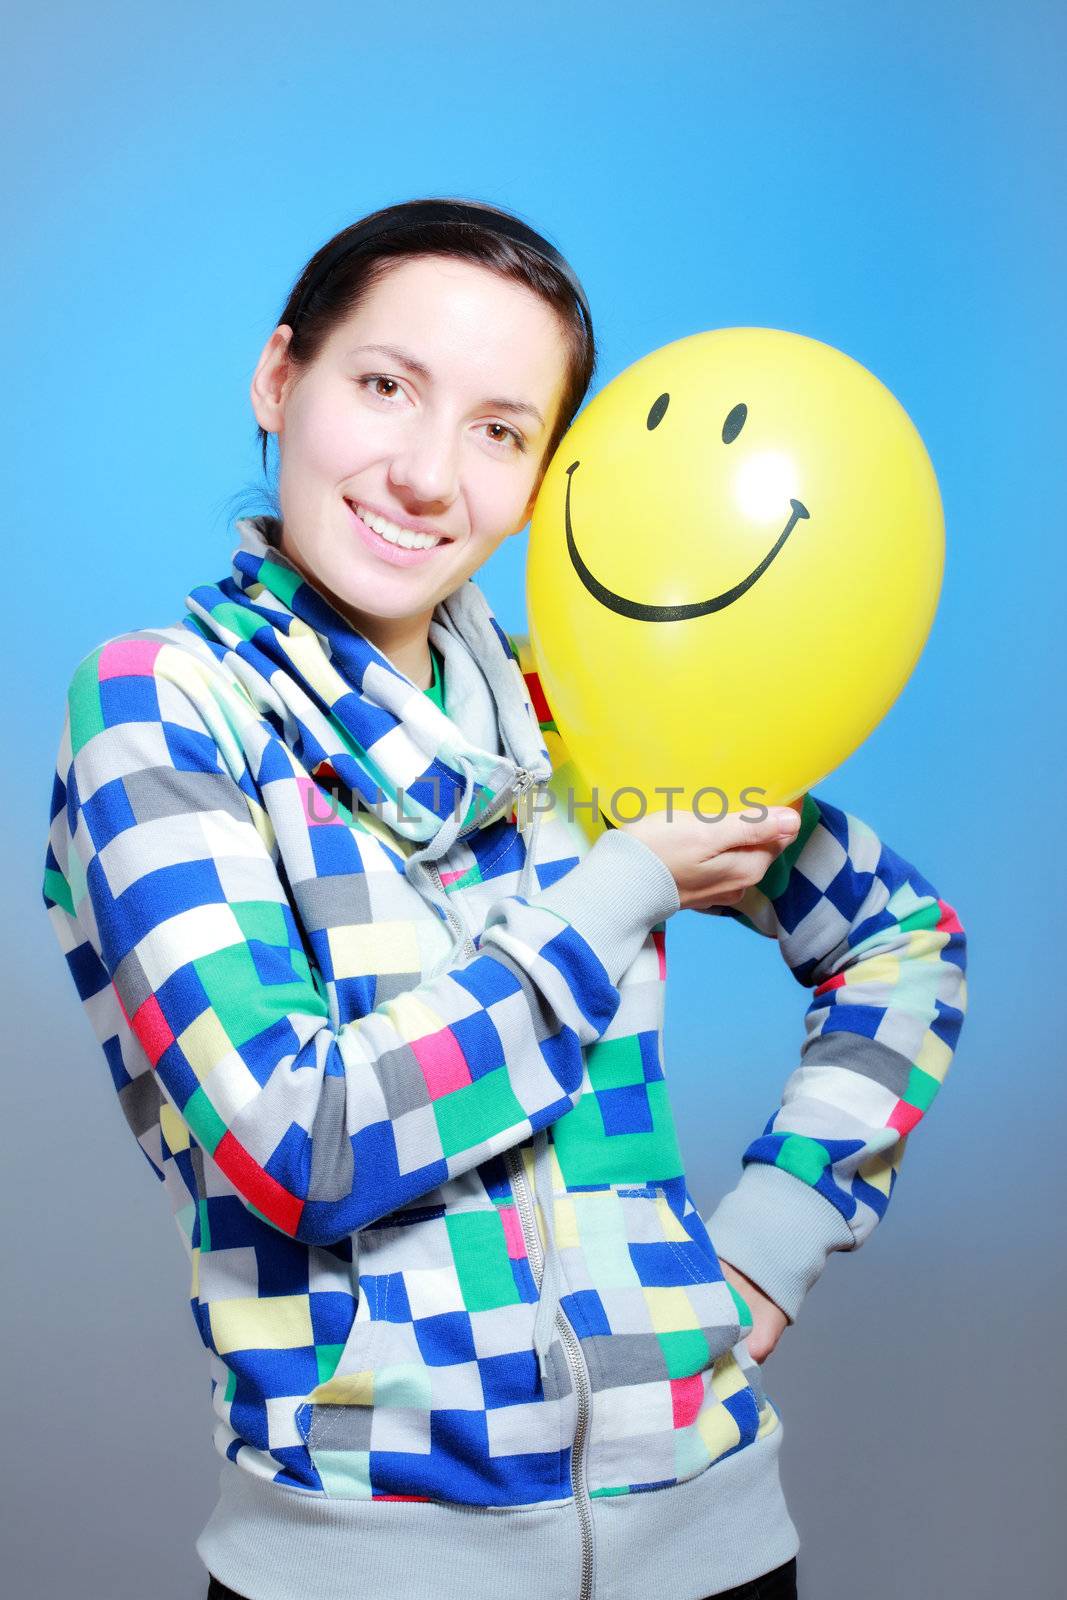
column 268, row 387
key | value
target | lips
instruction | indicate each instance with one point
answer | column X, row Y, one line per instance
column 415, row 525
column 394, row 554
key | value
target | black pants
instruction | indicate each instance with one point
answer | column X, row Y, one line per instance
column 781, row 1584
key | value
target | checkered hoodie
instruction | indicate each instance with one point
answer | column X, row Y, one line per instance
column 392, row 1040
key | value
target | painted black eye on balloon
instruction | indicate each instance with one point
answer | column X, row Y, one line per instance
column 735, row 421
column 655, row 416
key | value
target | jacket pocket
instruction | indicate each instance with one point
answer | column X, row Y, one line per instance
column 658, row 1329
column 694, row 1224
column 738, row 1370
column 437, row 1395
column 334, row 1419
column 693, row 1315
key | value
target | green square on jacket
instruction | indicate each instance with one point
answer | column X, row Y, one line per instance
column 436, row 691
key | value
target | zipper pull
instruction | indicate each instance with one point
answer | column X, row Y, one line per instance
column 524, row 814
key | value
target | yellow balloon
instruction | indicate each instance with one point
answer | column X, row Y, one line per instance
column 735, row 560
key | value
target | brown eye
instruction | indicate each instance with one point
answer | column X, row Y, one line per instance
column 735, row 421
column 656, row 414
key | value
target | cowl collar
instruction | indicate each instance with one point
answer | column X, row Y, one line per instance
column 351, row 710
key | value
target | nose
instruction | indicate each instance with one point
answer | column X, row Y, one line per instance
column 426, row 467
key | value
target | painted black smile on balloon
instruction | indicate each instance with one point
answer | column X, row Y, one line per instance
column 698, row 608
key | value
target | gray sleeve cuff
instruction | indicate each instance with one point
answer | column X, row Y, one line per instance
column 778, row 1231
column 613, row 897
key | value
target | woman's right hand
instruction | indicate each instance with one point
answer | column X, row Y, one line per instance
column 715, row 861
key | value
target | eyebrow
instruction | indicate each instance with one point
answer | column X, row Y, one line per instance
column 403, row 358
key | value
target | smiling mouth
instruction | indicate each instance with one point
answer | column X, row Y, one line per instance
column 697, row 608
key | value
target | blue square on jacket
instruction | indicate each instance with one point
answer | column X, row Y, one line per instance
column 625, row 1109
column 510, row 1380
column 445, row 1340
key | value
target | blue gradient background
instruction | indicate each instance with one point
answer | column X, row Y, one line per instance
column 880, row 177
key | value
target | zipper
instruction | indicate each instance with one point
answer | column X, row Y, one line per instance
column 457, row 922
column 583, row 1504
column 522, row 781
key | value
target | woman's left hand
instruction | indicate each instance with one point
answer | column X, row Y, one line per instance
column 768, row 1318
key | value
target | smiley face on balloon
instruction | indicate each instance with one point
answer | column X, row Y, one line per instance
column 735, row 560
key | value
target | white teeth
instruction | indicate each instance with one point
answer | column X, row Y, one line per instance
column 405, row 537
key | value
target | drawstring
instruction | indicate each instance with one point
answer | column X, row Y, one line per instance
column 551, row 1275
column 526, row 878
column 433, row 850
column 441, row 843
column 551, row 1278
column 545, row 1316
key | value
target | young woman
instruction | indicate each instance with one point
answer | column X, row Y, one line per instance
column 392, row 1035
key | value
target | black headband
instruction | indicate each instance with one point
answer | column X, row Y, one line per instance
column 426, row 211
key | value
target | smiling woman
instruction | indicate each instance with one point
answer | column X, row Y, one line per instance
column 404, row 464
column 398, row 1059
column 397, row 484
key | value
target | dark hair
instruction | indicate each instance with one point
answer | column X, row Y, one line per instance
column 347, row 267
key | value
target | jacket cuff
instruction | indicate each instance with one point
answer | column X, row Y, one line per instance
column 778, row 1231
column 616, row 893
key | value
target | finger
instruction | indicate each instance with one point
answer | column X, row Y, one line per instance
column 737, row 828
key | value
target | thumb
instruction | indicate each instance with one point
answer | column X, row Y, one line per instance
column 781, row 822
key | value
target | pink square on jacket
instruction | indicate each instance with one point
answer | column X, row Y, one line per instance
column 128, row 658
column 516, row 1244
column 444, row 1066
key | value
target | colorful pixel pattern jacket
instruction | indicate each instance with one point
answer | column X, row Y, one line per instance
column 365, row 1066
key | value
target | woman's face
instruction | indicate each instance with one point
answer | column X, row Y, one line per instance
column 428, row 409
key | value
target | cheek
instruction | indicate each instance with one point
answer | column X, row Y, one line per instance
column 500, row 500
column 327, row 439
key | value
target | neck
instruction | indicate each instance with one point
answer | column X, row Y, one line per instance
column 405, row 641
